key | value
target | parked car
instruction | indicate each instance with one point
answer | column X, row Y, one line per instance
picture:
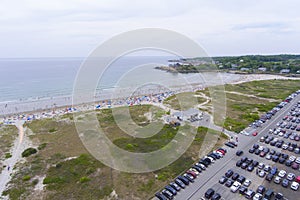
column 290, row 176
column 171, row 189
column 229, row 173
column 180, row 183
column 295, row 186
column 295, row 166
column 216, row 196
column 236, row 185
column 282, row 173
column 184, row 180
column 242, row 190
column 279, row 196
column 261, row 189
column 239, row 152
column 223, row 179
column 235, row 176
column 209, row 193
column 257, row 196
column 249, row 194
column 247, row 183
column 277, row 180
column 175, row 186
column 229, row 183
column 241, row 179
column 269, row 194
column 167, row 193
column 160, row 196
column 285, row 183
column 269, row 177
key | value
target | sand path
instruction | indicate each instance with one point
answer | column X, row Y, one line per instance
column 19, row 146
column 252, row 96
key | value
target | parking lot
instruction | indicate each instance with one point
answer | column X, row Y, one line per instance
column 274, row 145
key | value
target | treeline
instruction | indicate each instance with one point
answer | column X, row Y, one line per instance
column 272, row 63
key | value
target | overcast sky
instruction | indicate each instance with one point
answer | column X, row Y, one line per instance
column 61, row 28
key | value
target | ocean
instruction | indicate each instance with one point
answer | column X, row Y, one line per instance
column 38, row 83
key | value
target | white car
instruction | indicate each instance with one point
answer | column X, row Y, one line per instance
column 292, row 158
column 258, row 196
column 210, row 158
column 219, row 153
column 236, row 185
column 261, row 148
column 298, row 160
column 295, row 186
column 247, row 183
column 277, row 180
column 261, row 173
column 291, row 176
column 261, row 166
column 282, row 173
column 285, row 146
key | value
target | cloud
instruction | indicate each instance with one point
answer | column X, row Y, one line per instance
column 73, row 28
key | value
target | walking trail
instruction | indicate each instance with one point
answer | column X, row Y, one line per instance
column 19, row 146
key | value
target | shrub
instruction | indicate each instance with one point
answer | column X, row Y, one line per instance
column 51, row 130
column 28, row 152
column 26, row 178
column 49, row 180
column 84, row 179
column 42, row 146
column 8, row 155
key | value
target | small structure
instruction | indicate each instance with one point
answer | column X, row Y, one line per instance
column 244, row 69
column 188, row 114
column 285, row 71
column 262, row 69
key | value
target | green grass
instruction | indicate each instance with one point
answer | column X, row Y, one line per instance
column 8, row 134
column 241, row 110
column 77, row 177
column 86, row 178
column 184, row 101
column 273, row 89
column 149, row 144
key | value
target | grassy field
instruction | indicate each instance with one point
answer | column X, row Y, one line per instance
column 67, row 170
column 273, row 89
column 247, row 101
column 7, row 136
column 184, row 101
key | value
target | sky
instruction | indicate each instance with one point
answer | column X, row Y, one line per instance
column 63, row 28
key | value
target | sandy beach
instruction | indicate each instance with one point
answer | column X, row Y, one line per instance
column 50, row 107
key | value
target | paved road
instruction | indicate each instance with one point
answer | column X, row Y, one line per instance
column 211, row 176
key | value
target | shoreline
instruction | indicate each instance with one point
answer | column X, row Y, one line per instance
column 39, row 109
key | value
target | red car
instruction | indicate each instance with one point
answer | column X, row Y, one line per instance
column 254, row 134
column 221, row 151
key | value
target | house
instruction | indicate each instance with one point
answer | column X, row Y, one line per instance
column 285, row 71
column 244, row 69
column 262, row 69
column 187, row 114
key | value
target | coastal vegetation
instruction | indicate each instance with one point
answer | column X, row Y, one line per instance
column 8, row 134
column 64, row 168
column 60, row 167
column 284, row 64
column 246, row 102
